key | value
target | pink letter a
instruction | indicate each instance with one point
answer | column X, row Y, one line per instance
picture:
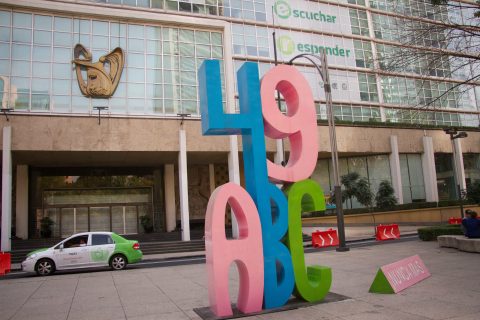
column 246, row 251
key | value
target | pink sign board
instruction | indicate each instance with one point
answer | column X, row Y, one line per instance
column 405, row 273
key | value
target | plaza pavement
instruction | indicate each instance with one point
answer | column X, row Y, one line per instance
column 452, row 292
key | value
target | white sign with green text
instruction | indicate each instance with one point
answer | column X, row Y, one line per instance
column 309, row 15
column 339, row 51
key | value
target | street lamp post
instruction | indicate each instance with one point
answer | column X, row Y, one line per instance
column 454, row 134
column 323, row 71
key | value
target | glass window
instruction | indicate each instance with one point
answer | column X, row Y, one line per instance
column 471, row 164
column 101, row 239
column 368, row 87
column 445, row 179
column 412, row 178
column 63, row 24
column 4, row 34
column 83, row 26
column 22, row 20
column 101, row 28
column 22, row 35
column 75, row 242
column 21, row 51
column 5, row 19
column 42, row 37
column 359, row 22
column 4, row 51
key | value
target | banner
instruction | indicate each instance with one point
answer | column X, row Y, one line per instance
column 309, row 15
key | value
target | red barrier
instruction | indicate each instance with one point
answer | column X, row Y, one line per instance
column 4, row 263
column 387, row 232
column 328, row 238
column 453, row 220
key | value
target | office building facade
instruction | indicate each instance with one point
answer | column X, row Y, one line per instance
column 96, row 137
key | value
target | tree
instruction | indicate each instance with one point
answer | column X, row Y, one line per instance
column 349, row 181
column 441, row 42
column 363, row 193
column 357, row 187
column 385, row 197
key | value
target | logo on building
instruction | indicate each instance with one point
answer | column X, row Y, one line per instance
column 102, row 76
column 282, row 9
column 286, row 45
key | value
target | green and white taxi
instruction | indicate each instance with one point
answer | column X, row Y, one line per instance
column 84, row 250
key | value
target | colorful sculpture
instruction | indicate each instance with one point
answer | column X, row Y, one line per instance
column 299, row 126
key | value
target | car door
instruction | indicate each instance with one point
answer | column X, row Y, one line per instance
column 72, row 253
column 102, row 247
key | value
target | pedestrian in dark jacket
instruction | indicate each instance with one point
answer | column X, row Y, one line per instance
column 471, row 225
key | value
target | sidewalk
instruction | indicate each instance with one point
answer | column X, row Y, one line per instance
column 171, row 293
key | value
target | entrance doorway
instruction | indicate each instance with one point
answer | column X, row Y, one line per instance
column 80, row 210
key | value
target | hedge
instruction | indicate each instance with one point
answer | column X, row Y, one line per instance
column 408, row 206
column 431, row 233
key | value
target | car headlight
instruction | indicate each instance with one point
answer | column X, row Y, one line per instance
column 32, row 256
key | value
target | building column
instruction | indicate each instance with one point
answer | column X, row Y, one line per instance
column 395, row 170
column 170, row 206
column 211, row 177
column 6, row 244
column 21, row 203
column 234, row 176
column 279, row 156
column 458, row 160
column 429, row 173
column 183, row 185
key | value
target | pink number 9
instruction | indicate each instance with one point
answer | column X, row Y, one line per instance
column 299, row 125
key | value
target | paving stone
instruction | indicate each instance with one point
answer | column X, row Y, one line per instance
column 172, row 292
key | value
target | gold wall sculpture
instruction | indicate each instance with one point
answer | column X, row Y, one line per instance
column 102, row 76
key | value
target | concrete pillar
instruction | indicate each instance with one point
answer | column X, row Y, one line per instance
column 395, row 169
column 458, row 159
column 21, row 203
column 279, row 155
column 429, row 173
column 211, row 177
column 234, row 176
column 6, row 244
column 170, row 207
column 183, row 185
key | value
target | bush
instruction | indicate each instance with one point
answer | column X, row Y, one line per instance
column 385, row 197
column 431, row 233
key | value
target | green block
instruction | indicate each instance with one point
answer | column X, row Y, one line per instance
column 380, row 284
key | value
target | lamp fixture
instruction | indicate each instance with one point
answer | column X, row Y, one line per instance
column 100, row 108
column 6, row 111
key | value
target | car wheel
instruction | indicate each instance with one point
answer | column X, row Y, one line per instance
column 118, row 262
column 45, row 267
